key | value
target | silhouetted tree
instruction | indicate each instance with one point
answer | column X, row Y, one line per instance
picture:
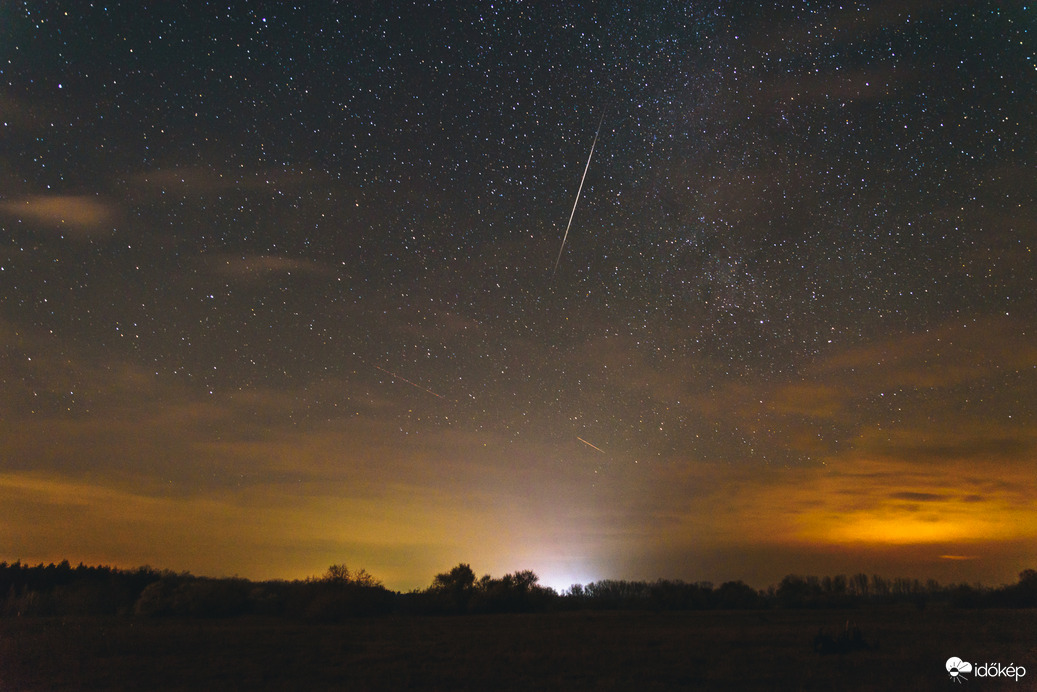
column 678, row 595
column 880, row 587
column 835, row 586
column 737, row 595
column 1026, row 589
column 194, row 597
column 342, row 575
column 156, row 599
column 1022, row 594
column 512, row 593
column 616, row 593
column 966, row 596
column 795, row 591
column 460, row 578
column 859, row 584
column 340, row 593
column 453, row 590
column 337, row 574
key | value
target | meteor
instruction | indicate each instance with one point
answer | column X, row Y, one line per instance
column 578, row 191
column 412, row 384
column 589, row 444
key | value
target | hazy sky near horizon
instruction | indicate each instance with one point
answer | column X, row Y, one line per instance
column 278, row 288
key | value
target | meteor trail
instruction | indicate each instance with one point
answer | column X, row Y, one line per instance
column 412, row 384
column 589, row 444
column 578, row 191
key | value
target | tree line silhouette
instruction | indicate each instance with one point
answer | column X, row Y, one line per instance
column 63, row 590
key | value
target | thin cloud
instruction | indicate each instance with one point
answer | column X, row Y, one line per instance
column 812, row 399
column 934, row 445
column 918, row 497
column 954, row 354
column 81, row 216
column 257, row 268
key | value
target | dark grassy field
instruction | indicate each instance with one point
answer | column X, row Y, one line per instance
column 715, row 650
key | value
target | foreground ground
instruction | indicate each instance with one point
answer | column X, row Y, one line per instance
column 734, row 650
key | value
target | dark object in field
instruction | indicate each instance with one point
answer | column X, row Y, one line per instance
column 850, row 639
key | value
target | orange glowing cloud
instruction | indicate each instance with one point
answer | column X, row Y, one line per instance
column 81, row 215
column 889, row 502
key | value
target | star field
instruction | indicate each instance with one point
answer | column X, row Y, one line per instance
column 285, row 272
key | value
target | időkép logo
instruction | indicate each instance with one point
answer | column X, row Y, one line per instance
column 960, row 670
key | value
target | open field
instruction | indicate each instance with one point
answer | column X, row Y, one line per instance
column 715, row 650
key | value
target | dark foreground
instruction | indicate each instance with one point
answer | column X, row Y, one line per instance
column 732, row 650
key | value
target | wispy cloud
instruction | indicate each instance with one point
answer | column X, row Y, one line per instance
column 954, row 353
column 256, row 268
column 80, row 216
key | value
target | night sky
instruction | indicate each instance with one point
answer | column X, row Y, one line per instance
column 279, row 288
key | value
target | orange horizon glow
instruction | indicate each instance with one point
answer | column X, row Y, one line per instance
column 812, row 511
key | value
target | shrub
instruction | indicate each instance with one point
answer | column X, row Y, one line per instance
column 849, row 640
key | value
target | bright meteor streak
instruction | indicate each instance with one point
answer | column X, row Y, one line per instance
column 589, row 444
column 578, row 191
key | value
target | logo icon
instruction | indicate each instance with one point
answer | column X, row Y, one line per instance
column 957, row 668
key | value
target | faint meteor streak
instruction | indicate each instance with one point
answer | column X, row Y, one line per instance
column 589, row 444
column 578, row 191
column 412, row 384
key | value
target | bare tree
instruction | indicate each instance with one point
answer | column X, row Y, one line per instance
column 340, row 574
